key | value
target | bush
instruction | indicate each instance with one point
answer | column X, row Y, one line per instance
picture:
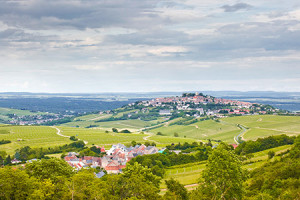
column 73, row 138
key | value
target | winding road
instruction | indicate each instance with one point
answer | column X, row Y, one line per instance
column 236, row 138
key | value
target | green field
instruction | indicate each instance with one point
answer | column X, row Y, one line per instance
column 202, row 130
column 133, row 124
column 266, row 125
column 33, row 136
column 99, row 137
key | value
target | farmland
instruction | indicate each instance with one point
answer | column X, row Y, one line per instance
column 266, row 125
column 33, row 136
column 99, row 137
column 208, row 129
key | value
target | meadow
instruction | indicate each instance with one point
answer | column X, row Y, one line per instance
column 33, row 136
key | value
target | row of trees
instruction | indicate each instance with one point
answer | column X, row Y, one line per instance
column 264, row 143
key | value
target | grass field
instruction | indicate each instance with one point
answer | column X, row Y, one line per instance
column 33, row 136
column 208, row 129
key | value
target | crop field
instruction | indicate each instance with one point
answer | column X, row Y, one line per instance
column 266, row 125
column 99, row 137
column 33, row 136
column 162, row 141
column 208, row 129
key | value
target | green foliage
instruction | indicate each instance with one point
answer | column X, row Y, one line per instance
column 27, row 153
column 125, row 131
column 264, row 143
column 4, row 141
column 115, row 130
column 73, row 138
column 176, row 134
column 52, row 169
column 159, row 133
column 276, row 180
column 223, row 176
column 175, row 191
column 271, row 154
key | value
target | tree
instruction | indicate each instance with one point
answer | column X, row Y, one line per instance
column 73, row 138
column 133, row 143
column 223, row 176
column 7, row 160
column 49, row 169
column 271, row 154
column 139, row 182
column 147, row 143
column 114, row 130
column 2, row 157
column 176, row 135
column 176, row 190
column 125, row 131
column 15, row 184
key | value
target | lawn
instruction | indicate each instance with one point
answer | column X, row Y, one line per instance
column 33, row 136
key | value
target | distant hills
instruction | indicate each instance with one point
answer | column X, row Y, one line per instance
column 79, row 102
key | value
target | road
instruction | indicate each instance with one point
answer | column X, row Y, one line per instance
column 236, row 138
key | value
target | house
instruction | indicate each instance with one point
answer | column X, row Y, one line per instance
column 15, row 161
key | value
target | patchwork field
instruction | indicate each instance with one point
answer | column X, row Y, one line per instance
column 33, row 136
column 203, row 130
column 266, row 125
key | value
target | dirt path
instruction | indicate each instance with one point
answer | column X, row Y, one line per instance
column 66, row 136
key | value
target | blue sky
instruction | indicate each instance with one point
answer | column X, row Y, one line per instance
column 149, row 45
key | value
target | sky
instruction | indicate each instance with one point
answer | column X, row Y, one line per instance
column 93, row 46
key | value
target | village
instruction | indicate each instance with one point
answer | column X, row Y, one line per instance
column 114, row 161
column 203, row 105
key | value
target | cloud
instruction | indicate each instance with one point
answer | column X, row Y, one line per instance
column 236, row 7
column 65, row 14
